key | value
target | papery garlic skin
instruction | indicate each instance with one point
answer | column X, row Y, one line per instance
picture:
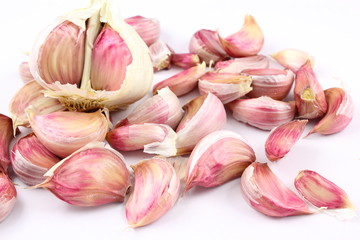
column 31, row 160
column 147, row 28
column 264, row 112
column 339, row 115
column 24, row 72
column 91, row 176
column 156, row 189
column 293, row 59
column 321, row 192
column 161, row 55
column 238, row 65
column 6, row 136
column 62, row 133
column 185, row 60
column 218, row 158
column 7, row 196
column 203, row 115
column 267, row 194
column 282, row 138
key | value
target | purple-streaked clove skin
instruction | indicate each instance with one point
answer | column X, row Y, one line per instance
column 274, row 83
column 267, row 194
column 321, row 192
column 309, row 96
column 161, row 55
column 24, row 72
column 147, row 28
column 339, row 115
column 156, row 190
column 238, row 65
column 293, row 59
column 218, row 158
column 264, row 112
column 182, row 82
column 6, row 136
column 7, row 196
column 248, row 41
column 282, row 138
column 185, row 60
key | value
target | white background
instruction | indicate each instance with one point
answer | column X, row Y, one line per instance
column 329, row 30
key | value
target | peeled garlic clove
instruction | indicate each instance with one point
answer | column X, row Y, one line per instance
column 156, row 189
column 203, row 115
column 161, row 55
column 206, row 44
column 274, row 83
column 25, row 73
column 238, row 65
column 31, row 160
column 163, row 108
column 246, row 42
column 282, row 138
column 226, row 86
column 6, row 135
column 340, row 112
column 31, row 94
column 92, row 176
column 7, row 196
column 184, row 81
column 153, row 138
column 321, row 192
column 263, row 112
column 62, row 133
column 293, row 59
column 309, row 96
column 219, row 157
column 267, row 194
column 185, row 60
column 147, row 28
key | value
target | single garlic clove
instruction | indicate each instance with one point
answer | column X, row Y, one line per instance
column 238, row 65
column 161, row 55
column 321, row 192
column 293, row 59
column 31, row 94
column 92, row 176
column 156, row 189
column 203, row 115
column 163, row 108
column 226, row 86
column 219, row 157
column 153, row 138
column 31, row 160
column 24, row 72
column 267, row 194
column 147, row 28
column 6, row 136
column 184, row 81
column 339, row 115
column 248, row 41
column 206, row 44
column 309, row 96
column 263, row 112
column 274, row 83
column 7, row 196
column 282, row 138
column 185, row 60
column 62, row 133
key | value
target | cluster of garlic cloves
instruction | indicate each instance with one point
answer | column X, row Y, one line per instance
column 7, row 196
column 6, row 136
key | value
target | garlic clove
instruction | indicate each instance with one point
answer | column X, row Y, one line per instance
column 267, row 194
column 309, row 96
column 31, row 94
column 185, row 60
column 248, row 41
column 153, row 138
column 179, row 163
column 206, row 44
column 218, row 158
column 31, row 160
column 24, row 72
column 264, row 112
column 6, row 136
column 147, row 28
column 238, row 65
column 62, row 133
column 293, row 59
column 163, row 108
column 203, row 115
column 156, row 189
column 7, row 196
column 161, row 55
column 184, row 81
column 226, row 86
column 339, row 115
column 274, row 83
column 321, row 192
column 92, row 176
column 282, row 138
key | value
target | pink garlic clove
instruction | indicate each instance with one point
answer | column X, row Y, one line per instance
column 161, row 55
column 185, row 60
column 6, row 136
column 7, row 196
column 293, row 59
column 147, row 28
column 24, row 72
column 238, row 65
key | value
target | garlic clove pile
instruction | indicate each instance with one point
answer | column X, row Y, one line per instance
column 7, row 196
column 6, row 136
column 237, row 65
